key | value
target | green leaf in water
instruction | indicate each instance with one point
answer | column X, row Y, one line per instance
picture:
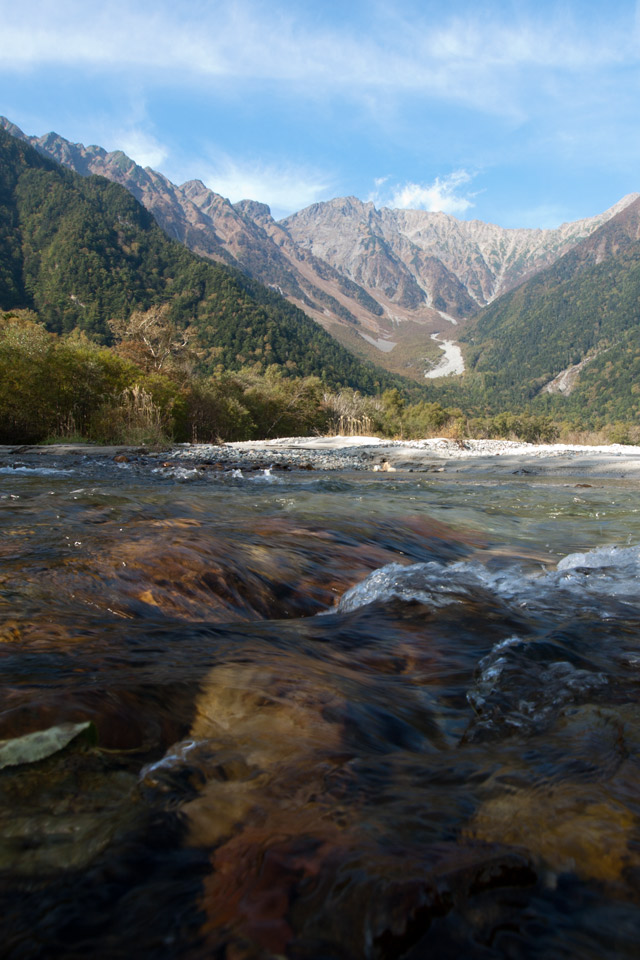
column 43, row 743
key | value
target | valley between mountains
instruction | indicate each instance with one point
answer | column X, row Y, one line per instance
column 385, row 283
column 478, row 317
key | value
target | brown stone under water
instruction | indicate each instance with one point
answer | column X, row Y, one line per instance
column 198, row 571
column 318, row 766
column 585, row 826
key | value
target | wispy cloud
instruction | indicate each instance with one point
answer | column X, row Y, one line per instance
column 473, row 59
column 444, row 194
column 439, row 84
column 285, row 188
column 141, row 147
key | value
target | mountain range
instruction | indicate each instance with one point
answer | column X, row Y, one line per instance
column 382, row 282
column 571, row 332
column 544, row 318
column 82, row 252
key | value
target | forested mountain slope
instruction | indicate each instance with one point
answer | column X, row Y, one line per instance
column 81, row 251
column 573, row 329
column 381, row 281
column 243, row 234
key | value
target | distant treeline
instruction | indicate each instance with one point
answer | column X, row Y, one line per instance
column 113, row 328
column 81, row 252
column 146, row 390
column 575, row 310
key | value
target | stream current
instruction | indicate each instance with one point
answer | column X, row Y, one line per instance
column 316, row 715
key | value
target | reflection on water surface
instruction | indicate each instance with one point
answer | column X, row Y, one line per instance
column 444, row 763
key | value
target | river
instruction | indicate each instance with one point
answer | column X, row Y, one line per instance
column 306, row 714
column 452, row 363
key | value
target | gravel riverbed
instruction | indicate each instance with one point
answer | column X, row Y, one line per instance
column 482, row 458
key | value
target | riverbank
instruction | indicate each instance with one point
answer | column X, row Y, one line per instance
column 499, row 458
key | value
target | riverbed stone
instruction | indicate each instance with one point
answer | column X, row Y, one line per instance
column 571, row 828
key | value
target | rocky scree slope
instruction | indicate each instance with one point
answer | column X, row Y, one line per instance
column 244, row 235
column 414, row 257
column 380, row 281
column 571, row 329
column 82, row 251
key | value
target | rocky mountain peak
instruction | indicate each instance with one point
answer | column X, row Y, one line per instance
column 258, row 212
column 11, row 128
column 486, row 259
column 194, row 188
column 371, row 276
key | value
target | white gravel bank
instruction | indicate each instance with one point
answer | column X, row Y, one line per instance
column 441, row 447
column 490, row 457
column 497, row 459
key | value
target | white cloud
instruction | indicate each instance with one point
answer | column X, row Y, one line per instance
column 477, row 58
column 141, row 147
column 444, row 194
column 284, row 188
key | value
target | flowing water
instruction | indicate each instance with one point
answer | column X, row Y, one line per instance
column 316, row 715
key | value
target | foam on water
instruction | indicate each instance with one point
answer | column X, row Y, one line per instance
column 35, row 471
column 519, row 688
column 555, row 659
column 606, row 577
column 266, row 476
column 181, row 474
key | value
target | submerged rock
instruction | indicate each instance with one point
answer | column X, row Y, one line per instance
column 42, row 743
column 570, row 828
column 62, row 812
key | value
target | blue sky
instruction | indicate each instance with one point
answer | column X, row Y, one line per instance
column 517, row 113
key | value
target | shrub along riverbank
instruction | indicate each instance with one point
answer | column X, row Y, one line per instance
column 145, row 390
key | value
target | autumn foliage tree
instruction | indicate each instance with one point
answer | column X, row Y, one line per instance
column 153, row 341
